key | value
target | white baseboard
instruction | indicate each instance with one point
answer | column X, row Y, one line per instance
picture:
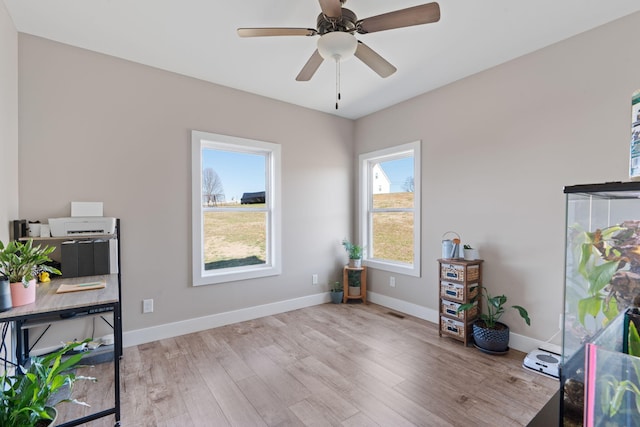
column 516, row 341
column 404, row 307
column 170, row 330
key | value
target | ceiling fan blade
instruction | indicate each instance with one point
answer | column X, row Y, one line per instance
column 417, row 15
column 374, row 61
column 266, row 32
column 331, row 8
column 310, row 67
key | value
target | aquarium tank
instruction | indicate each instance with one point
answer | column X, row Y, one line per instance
column 611, row 395
column 602, row 277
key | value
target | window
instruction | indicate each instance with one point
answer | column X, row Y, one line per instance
column 235, row 204
column 390, row 208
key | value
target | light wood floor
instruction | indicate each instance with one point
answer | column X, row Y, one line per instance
column 328, row 365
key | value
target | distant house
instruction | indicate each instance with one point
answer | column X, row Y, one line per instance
column 381, row 183
column 249, row 198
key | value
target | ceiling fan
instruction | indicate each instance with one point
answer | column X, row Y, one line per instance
column 336, row 26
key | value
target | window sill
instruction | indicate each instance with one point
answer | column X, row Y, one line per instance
column 406, row 269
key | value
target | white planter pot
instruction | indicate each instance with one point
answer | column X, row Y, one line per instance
column 355, row 263
column 471, row 254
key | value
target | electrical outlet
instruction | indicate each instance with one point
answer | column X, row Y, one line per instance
column 147, row 306
column 314, row 279
column 392, row 282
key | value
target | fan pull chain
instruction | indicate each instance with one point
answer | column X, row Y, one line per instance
column 339, row 89
column 337, row 83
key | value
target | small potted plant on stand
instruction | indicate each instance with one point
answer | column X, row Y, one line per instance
column 20, row 262
column 490, row 335
column 25, row 398
column 470, row 253
column 354, row 283
column 355, row 253
column 337, row 293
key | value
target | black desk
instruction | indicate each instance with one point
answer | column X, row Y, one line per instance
column 48, row 308
column 549, row 415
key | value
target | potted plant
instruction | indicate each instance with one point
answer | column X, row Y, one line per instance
column 354, row 281
column 20, row 263
column 489, row 334
column 337, row 293
column 26, row 397
column 470, row 254
column 355, row 253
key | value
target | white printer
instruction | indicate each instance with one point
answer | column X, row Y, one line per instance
column 79, row 226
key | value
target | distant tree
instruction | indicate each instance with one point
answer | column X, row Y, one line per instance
column 408, row 185
column 212, row 188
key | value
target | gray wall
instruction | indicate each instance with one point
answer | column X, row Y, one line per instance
column 498, row 149
column 98, row 128
column 8, row 122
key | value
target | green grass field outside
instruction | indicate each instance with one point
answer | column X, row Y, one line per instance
column 238, row 238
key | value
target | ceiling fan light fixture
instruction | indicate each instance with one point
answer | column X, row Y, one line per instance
column 337, row 45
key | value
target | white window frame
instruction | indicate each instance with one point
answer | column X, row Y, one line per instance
column 366, row 162
column 273, row 265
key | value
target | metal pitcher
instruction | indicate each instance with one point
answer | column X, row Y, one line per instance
column 450, row 247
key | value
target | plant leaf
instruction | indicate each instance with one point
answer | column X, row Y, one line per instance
column 634, row 341
column 523, row 314
column 610, row 308
column 608, row 232
column 616, row 402
column 601, row 276
column 585, row 256
column 590, row 305
column 464, row 307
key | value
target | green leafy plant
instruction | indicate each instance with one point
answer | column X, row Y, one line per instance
column 25, row 395
column 354, row 278
column 495, row 309
column 620, row 398
column 602, row 278
column 599, row 261
column 354, row 251
column 612, row 396
column 336, row 287
column 21, row 262
column 617, row 372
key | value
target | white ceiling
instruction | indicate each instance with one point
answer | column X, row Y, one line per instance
column 198, row 38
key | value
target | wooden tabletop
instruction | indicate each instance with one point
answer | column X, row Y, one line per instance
column 48, row 301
